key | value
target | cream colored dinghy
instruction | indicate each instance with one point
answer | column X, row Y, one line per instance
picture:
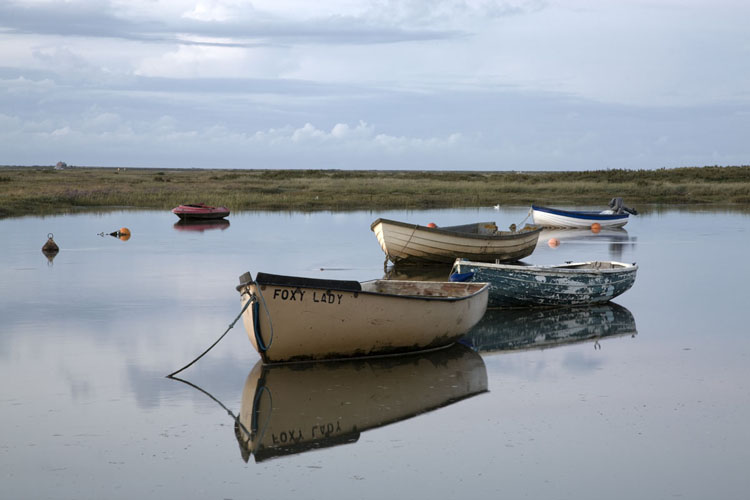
column 298, row 319
column 414, row 244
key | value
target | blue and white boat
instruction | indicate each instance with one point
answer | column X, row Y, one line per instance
column 615, row 216
column 571, row 284
column 554, row 217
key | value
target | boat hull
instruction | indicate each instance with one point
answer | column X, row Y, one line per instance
column 298, row 319
column 200, row 212
column 414, row 244
column 567, row 285
column 553, row 217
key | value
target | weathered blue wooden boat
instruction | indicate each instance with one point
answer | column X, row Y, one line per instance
column 570, row 284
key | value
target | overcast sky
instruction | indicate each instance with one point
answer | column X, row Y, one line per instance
column 376, row 84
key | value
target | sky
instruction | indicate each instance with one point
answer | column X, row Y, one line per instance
column 375, row 84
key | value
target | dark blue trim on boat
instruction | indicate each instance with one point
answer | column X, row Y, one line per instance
column 461, row 277
column 580, row 214
column 262, row 347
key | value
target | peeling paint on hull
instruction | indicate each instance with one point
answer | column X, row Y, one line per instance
column 566, row 285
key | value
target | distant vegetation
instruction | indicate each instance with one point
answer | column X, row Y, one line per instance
column 50, row 190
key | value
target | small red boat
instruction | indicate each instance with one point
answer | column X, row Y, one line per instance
column 200, row 211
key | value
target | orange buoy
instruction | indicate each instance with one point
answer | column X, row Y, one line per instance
column 596, row 227
column 431, row 224
column 553, row 243
column 123, row 234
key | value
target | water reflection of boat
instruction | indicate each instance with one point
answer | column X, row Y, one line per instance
column 289, row 409
column 201, row 225
column 509, row 329
column 616, row 238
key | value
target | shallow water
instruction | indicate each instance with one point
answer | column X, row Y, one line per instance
column 647, row 398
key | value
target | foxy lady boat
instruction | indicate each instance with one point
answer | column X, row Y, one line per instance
column 571, row 284
column 295, row 319
column 411, row 243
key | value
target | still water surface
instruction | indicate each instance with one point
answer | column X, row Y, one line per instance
column 645, row 398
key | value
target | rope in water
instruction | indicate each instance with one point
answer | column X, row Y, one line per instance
column 244, row 308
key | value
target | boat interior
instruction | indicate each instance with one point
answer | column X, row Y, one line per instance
column 421, row 288
column 597, row 264
column 390, row 287
column 486, row 228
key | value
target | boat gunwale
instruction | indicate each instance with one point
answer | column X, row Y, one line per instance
column 501, row 235
column 566, row 268
column 452, row 298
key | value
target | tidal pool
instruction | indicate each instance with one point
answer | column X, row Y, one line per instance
column 647, row 397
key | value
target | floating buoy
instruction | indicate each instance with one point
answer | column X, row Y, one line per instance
column 50, row 248
column 431, row 224
column 596, row 227
column 123, row 233
column 553, row 243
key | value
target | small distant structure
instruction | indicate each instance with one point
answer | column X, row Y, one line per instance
column 61, row 165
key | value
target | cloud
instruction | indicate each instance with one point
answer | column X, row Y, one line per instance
column 206, row 23
column 475, row 84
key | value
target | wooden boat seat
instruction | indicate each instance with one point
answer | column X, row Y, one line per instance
column 296, row 281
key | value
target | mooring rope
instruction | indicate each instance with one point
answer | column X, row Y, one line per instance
column 524, row 219
column 244, row 308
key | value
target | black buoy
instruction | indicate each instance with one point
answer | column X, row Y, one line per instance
column 50, row 248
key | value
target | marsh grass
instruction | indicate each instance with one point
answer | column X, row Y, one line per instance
column 44, row 190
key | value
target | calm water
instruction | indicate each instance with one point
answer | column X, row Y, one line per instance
column 647, row 398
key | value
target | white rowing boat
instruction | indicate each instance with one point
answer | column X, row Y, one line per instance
column 412, row 243
column 296, row 319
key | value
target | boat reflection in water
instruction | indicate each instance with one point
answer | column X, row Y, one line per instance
column 617, row 238
column 293, row 408
column 201, row 225
column 534, row 328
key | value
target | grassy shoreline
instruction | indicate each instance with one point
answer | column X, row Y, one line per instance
column 46, row 190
